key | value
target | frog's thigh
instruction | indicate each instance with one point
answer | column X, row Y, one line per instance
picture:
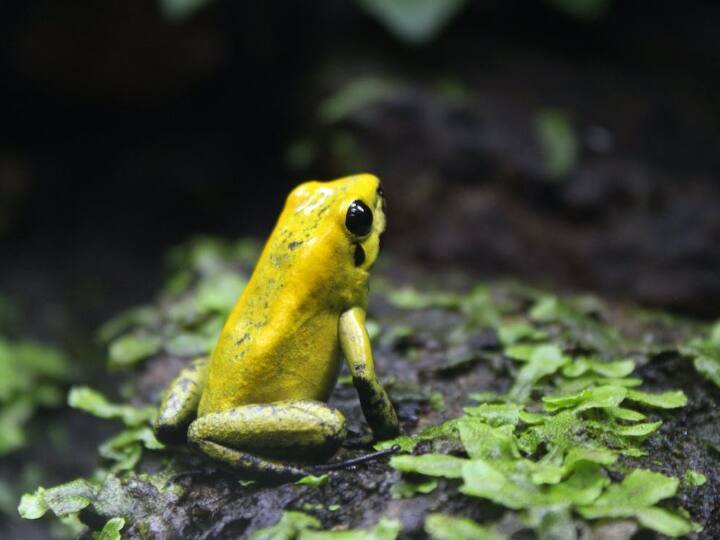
column 293, row 429
column 180, row 401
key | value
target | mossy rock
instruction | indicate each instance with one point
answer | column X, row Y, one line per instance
column 525, row 414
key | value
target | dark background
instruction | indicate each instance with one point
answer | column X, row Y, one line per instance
column 125, row 132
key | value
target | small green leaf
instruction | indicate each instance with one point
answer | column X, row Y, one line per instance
column 558, row 140
column 511, row 334
column 111, row 530
column 126, row 447
column 640, row 489
column 407, row 443
column 353, row 96
column 32, row 505
column 140, row 316
column 437, row 401
column 312, row 480
column 481, row 440
column 288, row 527
column 580, row 366
column 386, row 529
column 590, row 398
column 708, row 367
column 546, row 309
column 508, row 484
column 430, row 465
column 91, row 401
column 176, row 10
column 522, row 352
column 63, row 500
column 694, row 478
column 496, row 414
column 409, row 298
column 373, row 329
column 666, row 522
column 666, row 400
column 404, row 490
column 219, row 292
column 130, row 349
column 443, row 527
column 188, row 344
column 638, row 430
column 413, row 21
column 622, row 413
column 545, row 360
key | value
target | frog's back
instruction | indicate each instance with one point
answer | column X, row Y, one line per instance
column 280, row 341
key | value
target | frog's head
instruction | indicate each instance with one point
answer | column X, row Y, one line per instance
column 347, row 217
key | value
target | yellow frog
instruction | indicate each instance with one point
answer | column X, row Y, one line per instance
column 261, row 397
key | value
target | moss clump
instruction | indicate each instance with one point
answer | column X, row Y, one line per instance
column 548, row 407
column 570, row 412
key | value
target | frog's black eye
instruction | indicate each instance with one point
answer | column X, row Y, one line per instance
column 359, row 218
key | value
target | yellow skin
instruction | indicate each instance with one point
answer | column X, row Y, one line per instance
column 261, row 397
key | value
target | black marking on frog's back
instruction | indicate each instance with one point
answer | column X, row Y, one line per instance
column 295, row 243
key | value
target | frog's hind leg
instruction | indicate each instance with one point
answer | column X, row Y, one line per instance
column 179, row 404
column 256, row 438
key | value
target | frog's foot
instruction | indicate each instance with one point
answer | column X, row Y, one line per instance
column 292, row 429
column 179, row 403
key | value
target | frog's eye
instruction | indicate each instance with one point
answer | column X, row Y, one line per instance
column 359, row 218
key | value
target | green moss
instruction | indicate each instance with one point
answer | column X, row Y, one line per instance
column 206, row 280
column 111, row 530
column 404, row 489
column 31, row 376
column 93, row 402
column 571, row 412
column 314, row 481
column 288, row 528
column 564, row 421
column 300, row 526
column 694, row 478
column 705, row 353
column 443, row 527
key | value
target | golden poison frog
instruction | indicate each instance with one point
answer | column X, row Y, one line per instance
column 259, row 402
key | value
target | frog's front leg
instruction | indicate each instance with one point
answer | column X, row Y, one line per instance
column 254, row 438
column 180, row 402
column 376, row 405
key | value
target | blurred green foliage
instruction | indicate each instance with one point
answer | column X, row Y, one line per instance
column 206, row 279
column 300, row 526
column 558, row 140
column 443, row 527
column 413, row 21
column 31, row 376
column 354, row 95
column 111, row 530
column 121, row 453
column 176, row 10
column 705, row 353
